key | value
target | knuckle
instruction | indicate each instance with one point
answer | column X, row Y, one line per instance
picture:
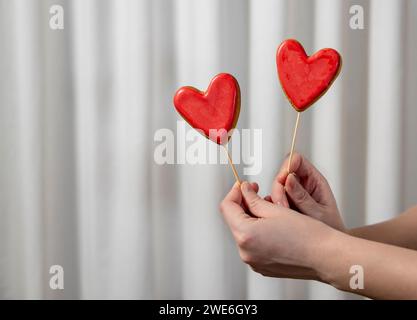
column 246, row 258
column 222, row 206
column 302, row 196
column 254, row 203
column 323, row 179
column 243, row 239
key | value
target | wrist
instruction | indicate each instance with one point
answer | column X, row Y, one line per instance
column 328, row 259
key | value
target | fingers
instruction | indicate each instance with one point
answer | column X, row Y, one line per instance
column 299, row 165
column 234, row 195
column 257, row 206
column 300, row 197
column 278, row 195
column 231, row 208
column 311, row 179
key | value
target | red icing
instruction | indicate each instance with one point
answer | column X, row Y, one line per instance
column 304, row 79
column 217, row 108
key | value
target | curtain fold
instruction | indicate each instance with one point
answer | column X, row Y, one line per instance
column 80, row 112
column 385, row 97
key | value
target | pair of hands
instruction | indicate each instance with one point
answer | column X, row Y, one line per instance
column 283, row 234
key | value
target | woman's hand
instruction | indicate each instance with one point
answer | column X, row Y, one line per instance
column 279, row 242
column 274, row 240
column 308, row 191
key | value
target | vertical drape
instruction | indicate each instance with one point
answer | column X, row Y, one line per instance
column 386, row 44
column 80, row 110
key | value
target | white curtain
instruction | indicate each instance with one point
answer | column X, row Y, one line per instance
column 79, row 107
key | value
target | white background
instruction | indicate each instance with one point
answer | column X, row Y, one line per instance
column 79, row 108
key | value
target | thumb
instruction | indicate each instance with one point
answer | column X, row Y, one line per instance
column 300, row 197
column 257, row 206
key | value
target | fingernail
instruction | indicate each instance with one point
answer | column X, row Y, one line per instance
column 296, row 177
column 292, row 181
column 279, row 201
column 246, row 187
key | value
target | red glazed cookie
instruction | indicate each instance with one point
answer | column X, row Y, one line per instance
column 214, row 112
column 305, row 79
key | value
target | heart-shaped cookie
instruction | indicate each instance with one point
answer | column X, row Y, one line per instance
column 305, row 79
column 214, row 112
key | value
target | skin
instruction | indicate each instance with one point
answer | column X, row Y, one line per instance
column 297, row 232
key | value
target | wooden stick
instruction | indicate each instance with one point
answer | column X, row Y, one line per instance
column 294, row 136
column 232, row 165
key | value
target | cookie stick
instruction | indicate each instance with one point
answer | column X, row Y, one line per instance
column 232, row 165
column 294, row 137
